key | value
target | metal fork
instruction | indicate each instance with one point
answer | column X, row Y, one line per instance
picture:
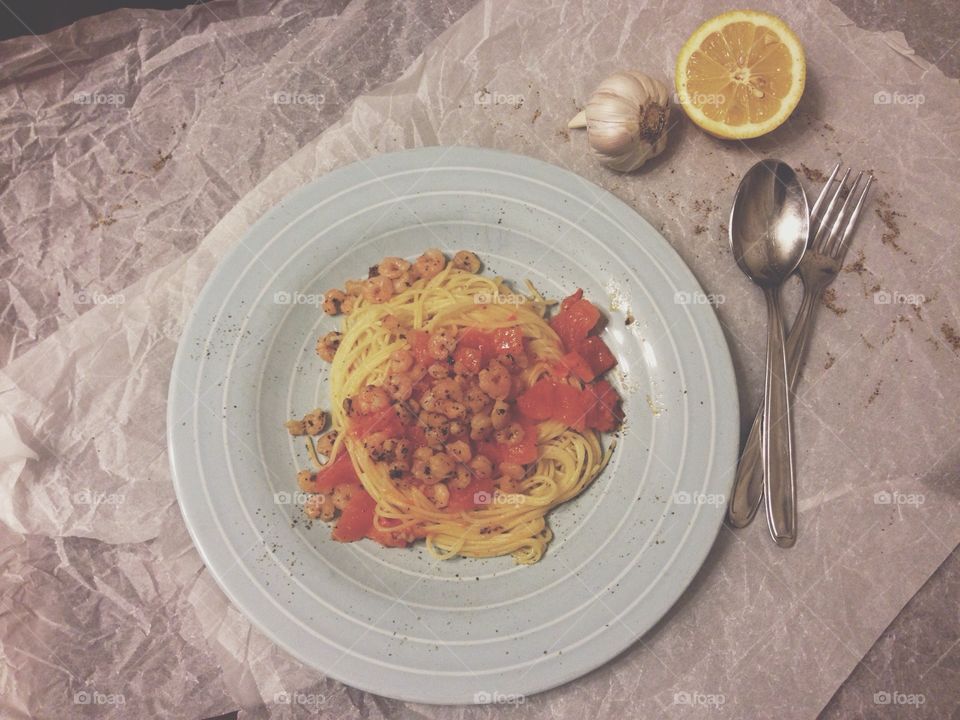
column 831, row 228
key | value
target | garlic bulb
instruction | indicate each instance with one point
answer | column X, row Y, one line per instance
column 626, row 120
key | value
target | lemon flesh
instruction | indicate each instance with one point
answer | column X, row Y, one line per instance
column 741, row 74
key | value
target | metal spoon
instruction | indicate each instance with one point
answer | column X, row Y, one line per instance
column 768, row 234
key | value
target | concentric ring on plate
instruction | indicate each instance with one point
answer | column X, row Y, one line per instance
column 388, row 621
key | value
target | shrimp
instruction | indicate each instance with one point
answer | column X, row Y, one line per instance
column 482, row 466
column 393, row 267
column 441, row 344
column 510, row 435
column 332, row 301
column 500, row 416
column 378, row 290
column 327, row 345
column 495, row 380
column 401, row 361
column 400, row 387
column 430, row 264
column 448, row 389
column 476, row 399
column 371, row 399
column 466, row 260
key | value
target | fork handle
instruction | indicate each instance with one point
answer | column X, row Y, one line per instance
column 748, row 485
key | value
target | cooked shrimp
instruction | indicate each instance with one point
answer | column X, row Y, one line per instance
column 440, row 466
column 439, row 494
column 460, row 450
column 327, row 345
column 466, row 260
column 378, row 290
column 400, row 387
column 404, row 282
column 510, row 435
column 354, row 288
column 448, row 389
column 482, row 466
column 325, row 443
column 371, row 399
column 314, row 422
column 401, row 361
column 320, row 506
column 480, row 427
column 476, row 399
column 332, row 300
column 393, row 267
column 495, row 380
column 430, row 263
column 441, row 344
column 500, row 415
column 296, row 428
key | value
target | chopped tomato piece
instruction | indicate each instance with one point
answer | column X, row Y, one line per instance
column 385, row 421
column 419, row 345
column 520, row 453
column 538, row 403
column 479, row 340
column 575, row 362
column 468, row 358
column 605, row 413
column 477, row 494
column 575, row 321
column 384, row 535
column 550, row 399
column 356, row 520
column 508, row 341
column 336, row 473
column 597, row 355
column 571, row 299
column 572, row 406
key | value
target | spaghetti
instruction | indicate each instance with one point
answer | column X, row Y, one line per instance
column 461, row 414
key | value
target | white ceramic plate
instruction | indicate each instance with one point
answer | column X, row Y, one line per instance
column 397, row 622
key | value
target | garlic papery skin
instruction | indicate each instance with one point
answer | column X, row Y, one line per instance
column 626, row 119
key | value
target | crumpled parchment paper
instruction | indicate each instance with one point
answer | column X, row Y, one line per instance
column 103, row 592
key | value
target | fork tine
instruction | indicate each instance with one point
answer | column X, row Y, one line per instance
column 836, row 230
column 822, row 233
column 844, row 243
column 815, row 211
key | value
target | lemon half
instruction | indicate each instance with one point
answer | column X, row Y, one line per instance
column 741, row 74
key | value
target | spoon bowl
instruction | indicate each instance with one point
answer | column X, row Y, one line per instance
column 769, row 222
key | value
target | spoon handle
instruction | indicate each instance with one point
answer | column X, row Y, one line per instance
column 748, row 486
column 778, row 481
